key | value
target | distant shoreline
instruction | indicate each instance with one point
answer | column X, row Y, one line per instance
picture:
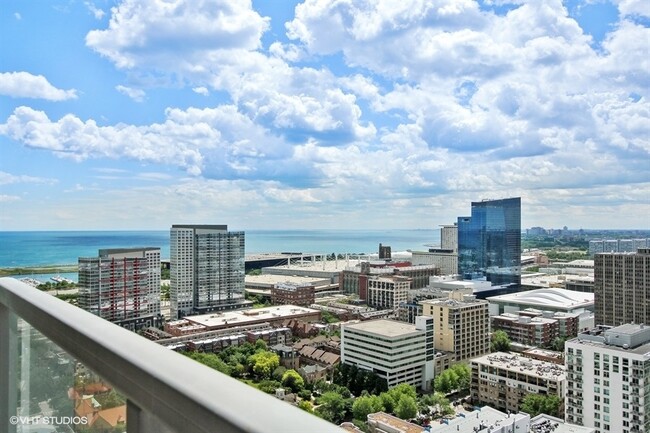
column 39, row 269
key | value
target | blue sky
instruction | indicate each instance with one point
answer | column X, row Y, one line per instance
column 322, row 114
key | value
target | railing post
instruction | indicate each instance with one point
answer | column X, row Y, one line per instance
column 8, row 370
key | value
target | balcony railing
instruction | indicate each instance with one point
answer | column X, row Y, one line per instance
column 166, row 392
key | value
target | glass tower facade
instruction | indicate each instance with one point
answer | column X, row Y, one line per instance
column 489, row 242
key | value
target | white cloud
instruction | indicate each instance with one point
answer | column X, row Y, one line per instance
column 634, row 7
column 26, row 85
column 18, row 16
column 8, row 179
column 97, row 13
column 195, row 29
column 136, row 94
column 201, row 90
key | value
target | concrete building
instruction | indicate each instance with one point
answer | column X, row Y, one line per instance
column 461, row 325
column 122, row 286
column 387, row 292
column 608, row 379
column 617, row 245
column 397, row 352
column 502, row 380
column 294, row 294
column 622, row 287
column 446, row 257
column 207, row 269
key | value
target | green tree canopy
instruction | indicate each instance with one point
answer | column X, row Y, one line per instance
column 500, row 342
column 534, row 404
column 291, row 379
column 264, row 363
column 406, row 407
column 365, row 405
column 333, row 407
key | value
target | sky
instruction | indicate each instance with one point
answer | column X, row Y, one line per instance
column 332, row 114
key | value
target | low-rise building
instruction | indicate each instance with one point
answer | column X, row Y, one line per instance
column 502, row 380
column 274, row 315
column 293, row 294
column 530, row 331
column 397, row 352
column 382, row 422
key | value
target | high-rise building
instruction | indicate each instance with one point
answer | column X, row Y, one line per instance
column 445, row 257
column 489, row 242
column 622, row 287
column 207, row 269
column 461, row 324
column 122, row 286
column 449, row 237
column 608, row 379
column 396, row 351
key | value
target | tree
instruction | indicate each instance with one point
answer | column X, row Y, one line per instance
column 365, row 405
column 333, row 407
column 264, row 363
column 291, row 379
column 407, row 407
column 442, row 383
column 534, row 404
column 500, row 342
column 209, row 359
column 306, row 406
column 464, row 374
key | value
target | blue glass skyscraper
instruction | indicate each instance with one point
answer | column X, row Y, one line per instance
column 489, row 242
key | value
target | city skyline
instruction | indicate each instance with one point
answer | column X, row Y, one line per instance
column 317, row 114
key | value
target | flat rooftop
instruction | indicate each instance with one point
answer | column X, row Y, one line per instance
column 560, row 299
column 399, row 425
column 485, row 416
column 317, row 266
column 272, row 279
column 549, row 424
column 384, row 327
column 524, row 319
column 521, row 364
column 243, row 317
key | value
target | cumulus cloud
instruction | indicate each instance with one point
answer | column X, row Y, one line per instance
column 201, row 90
column 136, row 94
column 195, row 28
column 26, row 85
column 423, row 99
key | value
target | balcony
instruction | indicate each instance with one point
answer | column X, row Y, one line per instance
column 165, row 392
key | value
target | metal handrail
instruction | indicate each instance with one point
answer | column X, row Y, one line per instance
column 182, row 394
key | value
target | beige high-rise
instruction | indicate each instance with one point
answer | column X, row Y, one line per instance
column 461, row 325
